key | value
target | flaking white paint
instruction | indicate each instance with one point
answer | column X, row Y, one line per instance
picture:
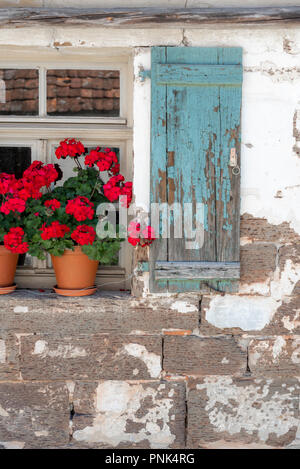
column 183, row 307
column 233, row 409
column 2, row 351
column 119, row 402
column 245, row 312
column 62, row 351
column 21, row 309
column 151, row 360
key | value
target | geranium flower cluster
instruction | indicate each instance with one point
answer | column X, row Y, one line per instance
column 116, row 188
column 55, row 230
column 140, row 237
column 53, row 204
column 17, row 191
column 84, row 234
column 105, row 160
column 13, row 241
column 69, row 147
column 81, row 208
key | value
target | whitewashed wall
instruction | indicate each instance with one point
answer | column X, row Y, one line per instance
column 270, row 118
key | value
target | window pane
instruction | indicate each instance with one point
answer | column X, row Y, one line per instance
column 14, row 160
column 19, row 92
column 83, row 92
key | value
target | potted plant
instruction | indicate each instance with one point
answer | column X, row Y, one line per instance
column 16, row 195
column 40, row 217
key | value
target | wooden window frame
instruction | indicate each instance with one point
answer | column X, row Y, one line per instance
column 39, row 132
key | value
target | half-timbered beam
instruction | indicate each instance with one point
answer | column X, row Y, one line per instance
column 146, row 17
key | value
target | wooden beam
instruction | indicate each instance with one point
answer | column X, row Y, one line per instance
column 197, row 270
column 145, row 17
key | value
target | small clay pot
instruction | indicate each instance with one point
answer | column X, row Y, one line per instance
column 75, row 271
column 8, row 265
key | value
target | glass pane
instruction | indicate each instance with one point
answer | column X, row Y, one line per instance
column 14, row 160
column 19, row 92
column 83, row 92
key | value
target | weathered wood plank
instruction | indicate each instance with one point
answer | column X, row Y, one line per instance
column 158, row 165
column 197, row 270
column 146, row 17
column 187, row 74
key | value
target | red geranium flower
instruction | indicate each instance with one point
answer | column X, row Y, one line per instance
column 105, row 160
column 7, row 183
column 69, row 147
column 81, row 208
column 55, row 230
column 13, row 241
column 53, row 204
column 14, row 204
column 84, row 234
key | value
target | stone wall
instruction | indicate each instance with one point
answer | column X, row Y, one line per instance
column 117, row 371
column 188, row 370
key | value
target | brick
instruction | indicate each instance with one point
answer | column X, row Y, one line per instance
column 192, row 355
column 104, row 312
column 258, row 229
column 258, row 261
column 9, row 357
column 290, row 252
column 94, row 357
column 34, row 415
column 226, row 412
column 112, row 414
column 279, row 355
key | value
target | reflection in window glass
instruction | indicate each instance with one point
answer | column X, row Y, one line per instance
column 14, row 160
column 83, row 92
column 19, row 92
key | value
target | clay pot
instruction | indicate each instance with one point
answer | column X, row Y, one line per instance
column 8, row 265
column 75, row 272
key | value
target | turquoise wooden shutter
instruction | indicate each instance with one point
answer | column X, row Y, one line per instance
column 196, row 107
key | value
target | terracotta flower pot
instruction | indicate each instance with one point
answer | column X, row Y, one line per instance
column 75, row 272
column 8, row 265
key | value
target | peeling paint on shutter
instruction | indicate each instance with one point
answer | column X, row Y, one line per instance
column 196, row 107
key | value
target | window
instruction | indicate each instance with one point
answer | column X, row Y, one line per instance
column 46, row 96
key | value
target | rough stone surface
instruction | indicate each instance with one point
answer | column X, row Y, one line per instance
column 122, row 414
column 9, row 357
column 46, row 313
column 101, row 356
column 227, row 412
column 279, row 355
column 34, row 415
column 203, row 356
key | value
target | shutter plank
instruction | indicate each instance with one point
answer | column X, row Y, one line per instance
column 158, row 182
column 197, row 270
column 188, row 74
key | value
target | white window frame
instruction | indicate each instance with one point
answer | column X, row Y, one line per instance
column 39, row 132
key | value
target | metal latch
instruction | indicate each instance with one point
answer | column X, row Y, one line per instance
column 233, row 162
